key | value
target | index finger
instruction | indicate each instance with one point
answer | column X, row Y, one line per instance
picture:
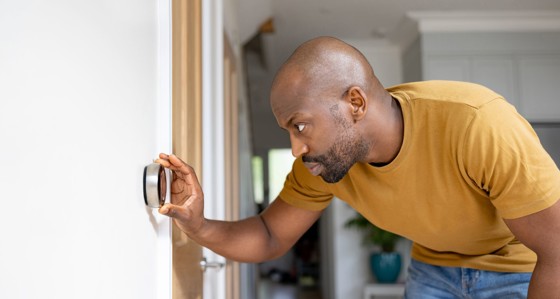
column 186, row 169
column 166, row 161
column 176, row 161
column 180, row 164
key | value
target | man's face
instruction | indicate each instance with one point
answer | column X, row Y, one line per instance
column 319, row 131
column 345, row 150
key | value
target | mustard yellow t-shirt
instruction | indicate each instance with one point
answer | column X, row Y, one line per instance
column 468, row 159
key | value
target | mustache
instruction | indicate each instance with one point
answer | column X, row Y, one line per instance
column 309, row 159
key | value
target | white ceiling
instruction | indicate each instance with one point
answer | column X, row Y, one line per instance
column 296, row 21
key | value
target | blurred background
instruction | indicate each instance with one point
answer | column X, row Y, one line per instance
column 511, row 46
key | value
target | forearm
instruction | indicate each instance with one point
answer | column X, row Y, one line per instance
column 254, row 239
column 247, row 240
column 544, row 282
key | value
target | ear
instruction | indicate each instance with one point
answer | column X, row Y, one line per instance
column 357, row 99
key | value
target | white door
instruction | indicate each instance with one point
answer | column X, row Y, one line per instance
column 84, row 106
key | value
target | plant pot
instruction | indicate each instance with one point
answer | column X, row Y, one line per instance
column 386, row 266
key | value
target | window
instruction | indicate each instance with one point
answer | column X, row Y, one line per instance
column 279, row 165
column 258, row 179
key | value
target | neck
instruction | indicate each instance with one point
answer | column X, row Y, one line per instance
column 397, row 136
column 388, row 132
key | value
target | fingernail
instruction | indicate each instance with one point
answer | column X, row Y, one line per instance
column 164, row 210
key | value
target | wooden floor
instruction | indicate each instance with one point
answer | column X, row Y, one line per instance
column 275, row 290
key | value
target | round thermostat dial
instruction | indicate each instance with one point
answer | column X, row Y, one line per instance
column 155, row 185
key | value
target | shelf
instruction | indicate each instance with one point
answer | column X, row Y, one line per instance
column 383, row 289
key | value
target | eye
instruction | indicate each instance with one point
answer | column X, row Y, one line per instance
column 300, row 127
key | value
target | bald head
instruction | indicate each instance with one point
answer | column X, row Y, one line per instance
column 321, row 97
column 326, row 64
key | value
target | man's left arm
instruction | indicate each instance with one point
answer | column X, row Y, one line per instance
column 541, row 233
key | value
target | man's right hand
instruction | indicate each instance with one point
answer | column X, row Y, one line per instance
column 255, row 239
column 187, row 198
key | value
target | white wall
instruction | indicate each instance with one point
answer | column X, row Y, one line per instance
column 384, row 57
column 260, row 11
column 80, row 117
column 350, row 263
column 524, row 67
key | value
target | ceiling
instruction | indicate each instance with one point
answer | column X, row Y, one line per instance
column 296, row 21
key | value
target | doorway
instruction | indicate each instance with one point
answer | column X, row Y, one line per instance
column 297, row 273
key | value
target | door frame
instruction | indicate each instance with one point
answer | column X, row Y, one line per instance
column 231, row 152
column 198, row 128
column 213, row 171
column 186, row 24
column 163, row 142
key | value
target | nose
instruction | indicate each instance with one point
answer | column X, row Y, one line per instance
column 298, row 147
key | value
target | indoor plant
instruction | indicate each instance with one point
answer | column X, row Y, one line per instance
column 385, row 265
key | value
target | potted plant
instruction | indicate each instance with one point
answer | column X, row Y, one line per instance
column 385, row 265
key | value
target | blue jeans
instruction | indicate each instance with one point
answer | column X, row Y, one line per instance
column 434, row 282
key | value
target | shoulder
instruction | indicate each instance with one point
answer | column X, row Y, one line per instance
column 303, row 190
column 470, row 94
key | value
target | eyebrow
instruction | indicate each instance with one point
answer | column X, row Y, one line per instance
column 291, row 119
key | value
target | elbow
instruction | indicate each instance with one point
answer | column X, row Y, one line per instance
column 261, row 257
column 267, row 246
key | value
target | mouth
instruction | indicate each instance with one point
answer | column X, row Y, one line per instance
column 314, row 168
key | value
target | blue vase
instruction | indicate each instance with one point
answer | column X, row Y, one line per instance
column 386, row 266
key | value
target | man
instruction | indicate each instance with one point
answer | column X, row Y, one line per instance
column 449, row 165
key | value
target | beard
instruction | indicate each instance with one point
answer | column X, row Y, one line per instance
column 340, row 157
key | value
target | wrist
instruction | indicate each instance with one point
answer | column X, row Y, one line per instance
column 198, row 232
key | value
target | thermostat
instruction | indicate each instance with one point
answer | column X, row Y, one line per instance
column 155, row 185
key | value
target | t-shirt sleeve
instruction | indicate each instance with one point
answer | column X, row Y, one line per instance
column 303, row 190
column 503, row 156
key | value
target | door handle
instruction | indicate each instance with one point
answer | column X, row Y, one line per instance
column 155, row 185
column 204, row 264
